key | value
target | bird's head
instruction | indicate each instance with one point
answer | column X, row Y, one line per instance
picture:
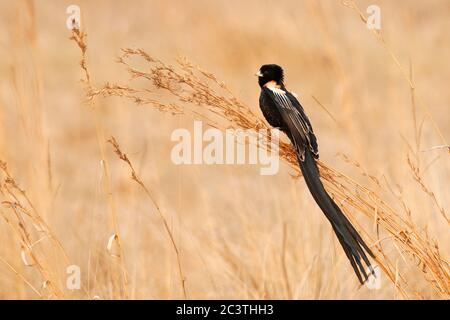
column 270, row 72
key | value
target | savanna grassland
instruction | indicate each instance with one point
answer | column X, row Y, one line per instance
column 86, row 177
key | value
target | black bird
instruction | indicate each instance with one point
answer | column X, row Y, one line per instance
column 283, row 111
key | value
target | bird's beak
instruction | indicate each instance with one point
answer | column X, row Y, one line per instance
column 258, row 74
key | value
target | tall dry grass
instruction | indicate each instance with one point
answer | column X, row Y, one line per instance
column 140, row 227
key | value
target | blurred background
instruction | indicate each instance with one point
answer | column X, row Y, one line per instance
column 240, row 234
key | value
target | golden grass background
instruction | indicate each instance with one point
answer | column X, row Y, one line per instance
column 238, row 234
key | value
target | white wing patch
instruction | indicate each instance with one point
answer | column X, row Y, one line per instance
column 285, row 103
column 276, row 90
column 294, row 118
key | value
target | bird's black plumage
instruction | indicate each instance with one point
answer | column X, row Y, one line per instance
column 282, row 110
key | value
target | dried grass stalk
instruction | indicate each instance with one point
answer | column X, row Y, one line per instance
column 189, row 90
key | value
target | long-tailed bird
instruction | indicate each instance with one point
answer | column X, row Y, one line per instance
column 283, row 111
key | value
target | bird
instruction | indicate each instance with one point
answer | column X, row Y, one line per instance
column 283, row 111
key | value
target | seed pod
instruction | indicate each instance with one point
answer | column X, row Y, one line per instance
column 113, row 245
column 26, row 258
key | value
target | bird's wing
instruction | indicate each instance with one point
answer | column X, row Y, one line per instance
column 312, row 137
column 301, row 132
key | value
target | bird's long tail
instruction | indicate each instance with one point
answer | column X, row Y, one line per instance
column 350, row 240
